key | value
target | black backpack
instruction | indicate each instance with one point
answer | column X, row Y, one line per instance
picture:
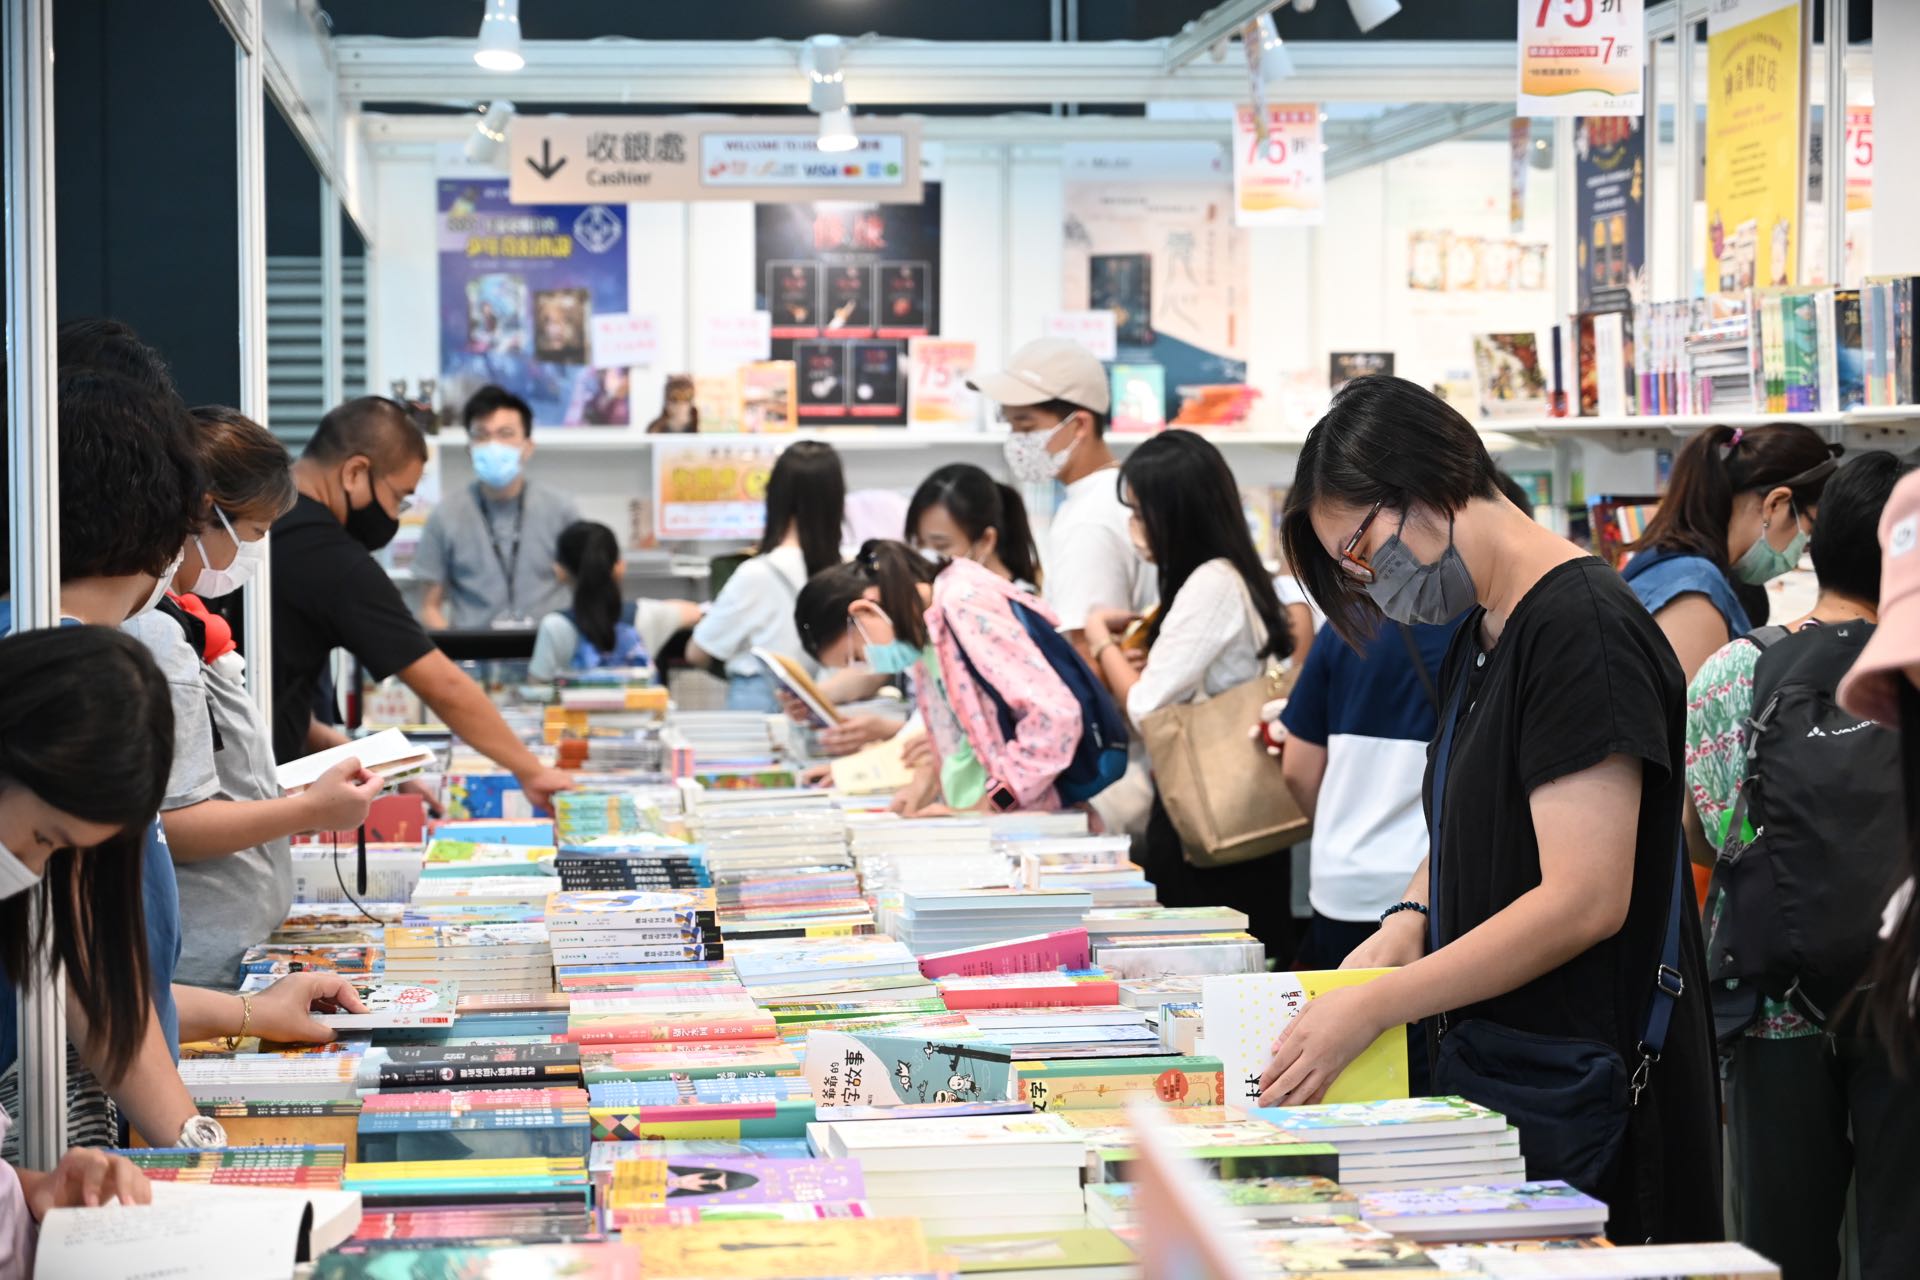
column 1800, row 914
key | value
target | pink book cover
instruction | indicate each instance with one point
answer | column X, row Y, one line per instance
column 640, row 1196
column 1041, row 953
column 1051, row 995
column 477, row 1100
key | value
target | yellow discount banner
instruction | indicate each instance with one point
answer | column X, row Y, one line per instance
column 1755, row 166
column 707, row 489
column 1581, row 57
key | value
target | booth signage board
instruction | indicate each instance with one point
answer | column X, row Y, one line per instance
column 626, row 341
column 1610, row 226
column 1756, row 170
column 1582, row 57
column 629, row 159
column 937, row 394
column 705, row 489
column 1279, row 180
column 1095, row 330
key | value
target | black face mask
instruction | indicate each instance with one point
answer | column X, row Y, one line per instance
column 371, row 526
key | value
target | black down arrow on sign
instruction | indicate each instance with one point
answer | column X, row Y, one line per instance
column 546, row 166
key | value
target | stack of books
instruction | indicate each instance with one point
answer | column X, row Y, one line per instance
column 1255, row 1200
column 640, row 860
column 1082, row 1084
column 1100, row 865
column 481, row 958
column 524, row 1180
column 1408, row 1142
column 480, row 1065
column 448, row 859
column 1519, row 1210
column 948, row 920
column 677, row 1192
column 893, row 854
column 520, row 1227
column 1060, row 988
column 474, row 1124
column 277, row 959
column 272, row 1077
column 303, row 1165
column 1226, row 1141
column 615, row 928
column 1025, row 1170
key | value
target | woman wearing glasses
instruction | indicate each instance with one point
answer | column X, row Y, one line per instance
column 1550, row 932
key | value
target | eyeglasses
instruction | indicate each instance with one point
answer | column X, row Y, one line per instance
column 1356, row 565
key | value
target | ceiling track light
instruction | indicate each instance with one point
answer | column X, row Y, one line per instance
column 489, row 132
column 1276, row 64
column 1368, row 14
column 499, row 48
column 823, row 58
column 836, row 130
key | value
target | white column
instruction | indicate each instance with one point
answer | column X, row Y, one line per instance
column 251, row 173
column 33, row 473
column 1896, row 138
column 333, row 362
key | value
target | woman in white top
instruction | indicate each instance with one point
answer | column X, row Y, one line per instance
column 1218, row 622
column 806, row 495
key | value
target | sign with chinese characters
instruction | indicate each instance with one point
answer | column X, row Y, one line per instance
column 1278, row 180
column 1756, row 175
column 625, row 341
column 937, row 394
column 1610, row 227
column 1097, row 331
column 729, row 339
column 1581, row 57
column 1859, row 158
column 707, row 489
column 520, row 289
column 629, row 159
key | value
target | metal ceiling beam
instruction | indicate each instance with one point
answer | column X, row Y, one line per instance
column 1221, row 22
column 1410, row 129
column 902, row 73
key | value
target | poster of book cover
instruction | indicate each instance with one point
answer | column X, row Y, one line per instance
column 1167, row 260
column 1610, row 161
column 848, row 286
column 519, row 287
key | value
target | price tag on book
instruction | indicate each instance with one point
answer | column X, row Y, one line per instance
column 1581, row 57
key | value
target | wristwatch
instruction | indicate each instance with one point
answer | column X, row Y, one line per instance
column 201, row 1132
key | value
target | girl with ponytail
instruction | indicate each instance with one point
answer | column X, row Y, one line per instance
column 953, row 626
column 962, row 513
column 1738, row 510
column 593, row 631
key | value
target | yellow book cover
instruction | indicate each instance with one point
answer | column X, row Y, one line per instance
column 761, row 1250
column 874, row 770
column 1244, row 1014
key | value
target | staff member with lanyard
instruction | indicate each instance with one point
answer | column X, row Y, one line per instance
column 489, row 547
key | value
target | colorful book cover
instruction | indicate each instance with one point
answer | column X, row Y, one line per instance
column 497, row 831
column 399, row 1004
column 277, row 959
column 858, row 1070
column 1139, row 397
column 1079, row 1084
column 627, row 1029
column 439, row 1066
column 487, row 941
column 1544, row 1199
column 469, row 857
column 784, row 1250
column 590, row 909
column 735, row 1121
column 605, row 1155
column 1029, row 1252
column 639, row 1187
column 1397, row 1119
column 1041, row 953
column 689, row 1062
column 1245, row 1013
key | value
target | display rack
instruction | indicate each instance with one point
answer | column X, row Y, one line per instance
column 867, row 439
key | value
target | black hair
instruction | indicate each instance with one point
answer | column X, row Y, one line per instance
column 1066, row 408
column 489, row 399
column 730, row 1179
column 111, row 346
column 1721, row 462
column 820, row 610
column 1846, row 538
column 86, row 725
column 248, row 471
column 588, row 552
column 1510, row 490
column 977, row 502
column 372, row 427
column 807, row 493
column 1184, row 493
column 131, row 484
column 1888, row 997
column 1384, row 440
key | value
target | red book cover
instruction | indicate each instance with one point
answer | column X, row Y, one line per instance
column 1066, row 995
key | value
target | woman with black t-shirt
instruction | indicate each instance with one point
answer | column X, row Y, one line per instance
column 1564, row 939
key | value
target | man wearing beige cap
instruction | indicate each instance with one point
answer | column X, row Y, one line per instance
column 1053, row 394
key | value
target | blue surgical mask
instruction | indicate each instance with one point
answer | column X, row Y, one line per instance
column 889, row 659
column 497, row 464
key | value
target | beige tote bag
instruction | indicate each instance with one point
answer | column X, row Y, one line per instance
column 1221, row 790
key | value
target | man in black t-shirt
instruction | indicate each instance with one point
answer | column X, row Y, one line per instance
column 355, row 478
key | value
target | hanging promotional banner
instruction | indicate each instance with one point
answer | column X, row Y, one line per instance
column 1581, row 57
column 1519, row 161
column 520, row 289
column 706, row 489
column 1756, row 170
column 1859, row 158
column 637, row 158
column 1095, row 330
column 937, row 394
column 1278, row 180
column 1610, row 221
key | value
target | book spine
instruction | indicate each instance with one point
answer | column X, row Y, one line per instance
column 656, row 1032
column 1036, row 997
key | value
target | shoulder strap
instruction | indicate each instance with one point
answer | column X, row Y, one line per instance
column 1764, row 638
column 1442, row 754
column 1419, row 665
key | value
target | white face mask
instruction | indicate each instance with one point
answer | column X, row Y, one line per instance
column 247, row 556
column 15, row 875
column 160, row 587
column 1029, row 457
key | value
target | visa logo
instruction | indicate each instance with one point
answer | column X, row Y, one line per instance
column 821, row 170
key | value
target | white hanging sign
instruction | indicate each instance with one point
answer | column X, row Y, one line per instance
column 1094, row 330
column 1279, row 180
column 625, row 341
column 1581, row 57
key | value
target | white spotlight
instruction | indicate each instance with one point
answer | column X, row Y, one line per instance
column 836, row 130
column 1275, row 62
column 1371, row 13
column 824, row 60
column 489, row 133
column 500, row 37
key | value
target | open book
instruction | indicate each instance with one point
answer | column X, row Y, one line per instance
column 387, row 753
column 236, row 1232
column 873, row 770
column 794, row 679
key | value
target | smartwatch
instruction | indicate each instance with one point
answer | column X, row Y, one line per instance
column 201, row 1132
column 1000, row 796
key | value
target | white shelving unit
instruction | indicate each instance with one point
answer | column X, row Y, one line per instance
column 866, row 439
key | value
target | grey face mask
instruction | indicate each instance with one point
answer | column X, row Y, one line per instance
column 1408, row 591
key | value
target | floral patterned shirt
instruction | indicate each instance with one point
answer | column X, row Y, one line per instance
column 1719, row 703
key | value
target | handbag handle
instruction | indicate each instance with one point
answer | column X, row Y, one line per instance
column 1257, row 629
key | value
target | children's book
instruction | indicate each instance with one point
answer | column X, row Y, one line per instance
column 1485, row 1212
column 640, row 1189
column 399, row 1004
column 1245, row 1013
column 849, row 1069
